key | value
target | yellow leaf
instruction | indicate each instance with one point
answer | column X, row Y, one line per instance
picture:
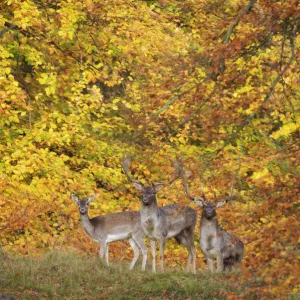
column 263, row 220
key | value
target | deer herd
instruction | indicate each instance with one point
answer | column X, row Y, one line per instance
column 161, row 223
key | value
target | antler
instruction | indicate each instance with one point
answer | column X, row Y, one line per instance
column 230, row 193
column 234, row 176
column 198, row 200
column 221, row 203
column 177, row 171
column 159, row 185
column 125, row 165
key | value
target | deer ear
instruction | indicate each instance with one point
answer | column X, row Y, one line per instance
column 138, row 186
column 220, row 204
column 199, row 202
column 74, row 198
column 158, row 186
column 90, row 199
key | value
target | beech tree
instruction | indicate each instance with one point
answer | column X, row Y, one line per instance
column 82, row 83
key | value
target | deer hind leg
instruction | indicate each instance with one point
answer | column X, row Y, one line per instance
column 162, row 247
column 193, row 254
column 181, row 239
column 153, row 252
column 191, row 249
column 136, row 252
column 189, row 260
column 238, row 261
column 139, row 240
column 228, row 263
column 188, row 241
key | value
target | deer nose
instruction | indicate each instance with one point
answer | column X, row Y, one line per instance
column 146, row 198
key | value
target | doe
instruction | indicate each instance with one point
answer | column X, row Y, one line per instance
column 113, row 227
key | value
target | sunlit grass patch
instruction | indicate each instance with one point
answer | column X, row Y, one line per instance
column 70, row 276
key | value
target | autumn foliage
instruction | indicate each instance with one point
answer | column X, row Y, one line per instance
column 217, row 82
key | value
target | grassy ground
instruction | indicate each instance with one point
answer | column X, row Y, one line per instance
column 70, row 276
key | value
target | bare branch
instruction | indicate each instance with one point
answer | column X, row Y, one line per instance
column 8, row 27
column 237, row 20
column 166, row 106
column 249, row 118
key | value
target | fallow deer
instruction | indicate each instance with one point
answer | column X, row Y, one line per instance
column 215, row 242
column 162, row 223
column 113, row 227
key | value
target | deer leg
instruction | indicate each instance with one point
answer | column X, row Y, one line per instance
column 102, row 251
column 193, row 255
column 106, row 254
column 220, row 263
column 210, row 264
column 189, row 260
column 139, row 240
column 136, row 252
column 153, row 252
column 192, row 251
column 194, row 259
column 162, row 247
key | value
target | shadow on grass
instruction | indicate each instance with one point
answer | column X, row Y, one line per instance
column 59, row 275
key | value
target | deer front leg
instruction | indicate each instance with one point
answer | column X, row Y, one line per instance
column 210, row 263
column 102, row 250
column 106, row 254
column 136, row 252
column 153, row 252
column 162, row 247
column 139, row 240
column 220, row 263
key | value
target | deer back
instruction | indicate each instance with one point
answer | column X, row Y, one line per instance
column 179, row 218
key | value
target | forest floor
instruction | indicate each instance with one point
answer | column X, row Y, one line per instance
column 59, row 275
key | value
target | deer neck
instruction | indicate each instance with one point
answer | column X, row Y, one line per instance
column 153, row 221
column 149, row 209
column 209, row 224
column 87, row 224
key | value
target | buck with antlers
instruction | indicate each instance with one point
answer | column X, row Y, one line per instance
column 162, row 223
column 215, row 242
column 113, row 227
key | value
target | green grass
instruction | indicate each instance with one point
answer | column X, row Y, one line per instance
column 70, row 276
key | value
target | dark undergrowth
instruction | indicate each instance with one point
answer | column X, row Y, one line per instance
column 59, row 275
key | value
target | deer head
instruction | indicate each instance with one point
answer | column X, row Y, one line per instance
column 148, row 191
column 83, row 204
